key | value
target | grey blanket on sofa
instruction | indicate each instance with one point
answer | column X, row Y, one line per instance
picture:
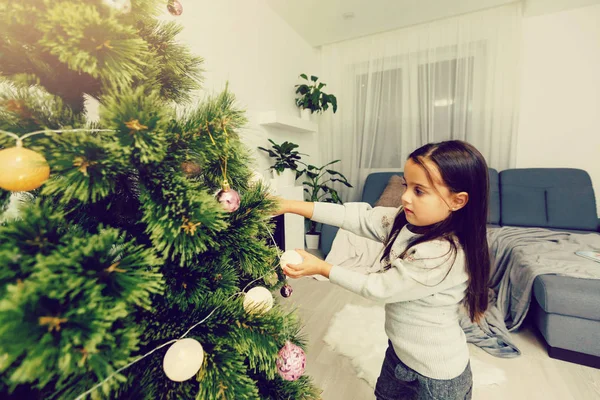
column 518, row 256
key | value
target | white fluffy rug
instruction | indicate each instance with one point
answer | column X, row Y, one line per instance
column 357, row 332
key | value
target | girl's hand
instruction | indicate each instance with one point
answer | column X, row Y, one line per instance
column 281, row 205
column 310, row 266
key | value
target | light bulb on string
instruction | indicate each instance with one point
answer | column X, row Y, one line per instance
column 183, row 359
column 21, row 169
column 258, row 299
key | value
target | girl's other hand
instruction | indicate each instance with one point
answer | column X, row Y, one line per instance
column 311, row 265
column 280, row 205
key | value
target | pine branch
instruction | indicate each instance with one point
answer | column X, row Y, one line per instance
column 89, row 42
column 181, row 217
column 4, row 201
column 39, row 231
column 66, row 320
column 85, row 168
column 140, row 119
column 170, row 66
column 25, row 109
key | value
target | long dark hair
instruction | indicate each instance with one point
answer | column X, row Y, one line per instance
column 463, row 169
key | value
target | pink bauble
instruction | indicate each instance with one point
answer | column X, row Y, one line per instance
column 286, row 290
column 230, row 199
column 175, row 7
column 291, row 362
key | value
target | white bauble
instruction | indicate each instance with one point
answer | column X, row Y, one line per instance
column 257, row 177
column 290, row 257
column 122, row 6
column 258, row 299
column 183, row 360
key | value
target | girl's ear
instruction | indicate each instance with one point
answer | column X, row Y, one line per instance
column 459, row 200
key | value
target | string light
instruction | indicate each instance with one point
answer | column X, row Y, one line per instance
column 22, row 169
column 21, row 138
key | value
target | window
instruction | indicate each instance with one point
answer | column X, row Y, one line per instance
column 445, row 91
column 378, row 118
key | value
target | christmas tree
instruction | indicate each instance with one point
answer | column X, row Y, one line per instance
column 128, row 272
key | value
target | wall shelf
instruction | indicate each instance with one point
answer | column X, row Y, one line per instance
column 281, row 121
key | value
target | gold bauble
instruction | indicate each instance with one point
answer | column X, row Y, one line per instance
column 22, row 170
column 191, row 169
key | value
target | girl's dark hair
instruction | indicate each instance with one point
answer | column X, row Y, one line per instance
column 463, row 169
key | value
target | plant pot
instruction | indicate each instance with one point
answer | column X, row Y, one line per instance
column 286, row 178
column 312, row 240
column 305, row 114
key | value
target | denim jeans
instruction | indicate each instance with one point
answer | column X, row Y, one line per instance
column 398, row 381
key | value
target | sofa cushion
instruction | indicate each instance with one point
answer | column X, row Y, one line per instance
column 583, row 211
column 375, row 184
column 523, row 206
column 568, row 296
column 494, row 206
column 566, row 332
column 391, row 196
column 548, row 198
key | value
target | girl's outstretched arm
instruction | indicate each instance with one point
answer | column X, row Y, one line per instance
column 358, row 218
column 303, row 208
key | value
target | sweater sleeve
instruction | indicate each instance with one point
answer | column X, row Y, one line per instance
column 429, row 268
column 358, row 218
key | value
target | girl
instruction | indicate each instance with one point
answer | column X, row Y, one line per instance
column 435, row 258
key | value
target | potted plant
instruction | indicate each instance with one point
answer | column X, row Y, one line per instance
column 317, row 189
column 286, row 162
column 311, row 99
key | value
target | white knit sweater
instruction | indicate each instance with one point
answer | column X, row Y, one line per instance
column 422, row 292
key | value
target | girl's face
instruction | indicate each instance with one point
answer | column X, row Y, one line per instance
column 426, row 204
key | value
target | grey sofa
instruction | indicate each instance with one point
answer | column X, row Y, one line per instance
column 565, row 310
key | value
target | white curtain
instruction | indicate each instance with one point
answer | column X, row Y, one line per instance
column 456, row 78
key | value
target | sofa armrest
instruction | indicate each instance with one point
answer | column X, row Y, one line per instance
column 328, row 233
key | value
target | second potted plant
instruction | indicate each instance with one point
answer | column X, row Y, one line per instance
column 311, row 99
column 317, row 189
column 286, row 162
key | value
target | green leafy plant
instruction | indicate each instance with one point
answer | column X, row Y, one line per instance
column 285, row 156
column 317, row 188
column 312, row 97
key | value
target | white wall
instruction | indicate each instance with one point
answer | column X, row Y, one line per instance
column 246, row 43
column 538, row 7
column 559, row 122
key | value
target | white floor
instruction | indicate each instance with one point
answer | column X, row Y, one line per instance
column 532, row 376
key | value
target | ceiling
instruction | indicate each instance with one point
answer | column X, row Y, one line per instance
column 321, row 22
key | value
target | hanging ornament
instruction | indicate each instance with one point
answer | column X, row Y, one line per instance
column 21, row 169
column 286, row 290
column 290, row 257
column 291, row 362
column 257, row 178
column 183, row 360
column 122, row 6
column 229, row 198
column 191, row 169
column 258, row 299
column 271, row 279
column 175, row 7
